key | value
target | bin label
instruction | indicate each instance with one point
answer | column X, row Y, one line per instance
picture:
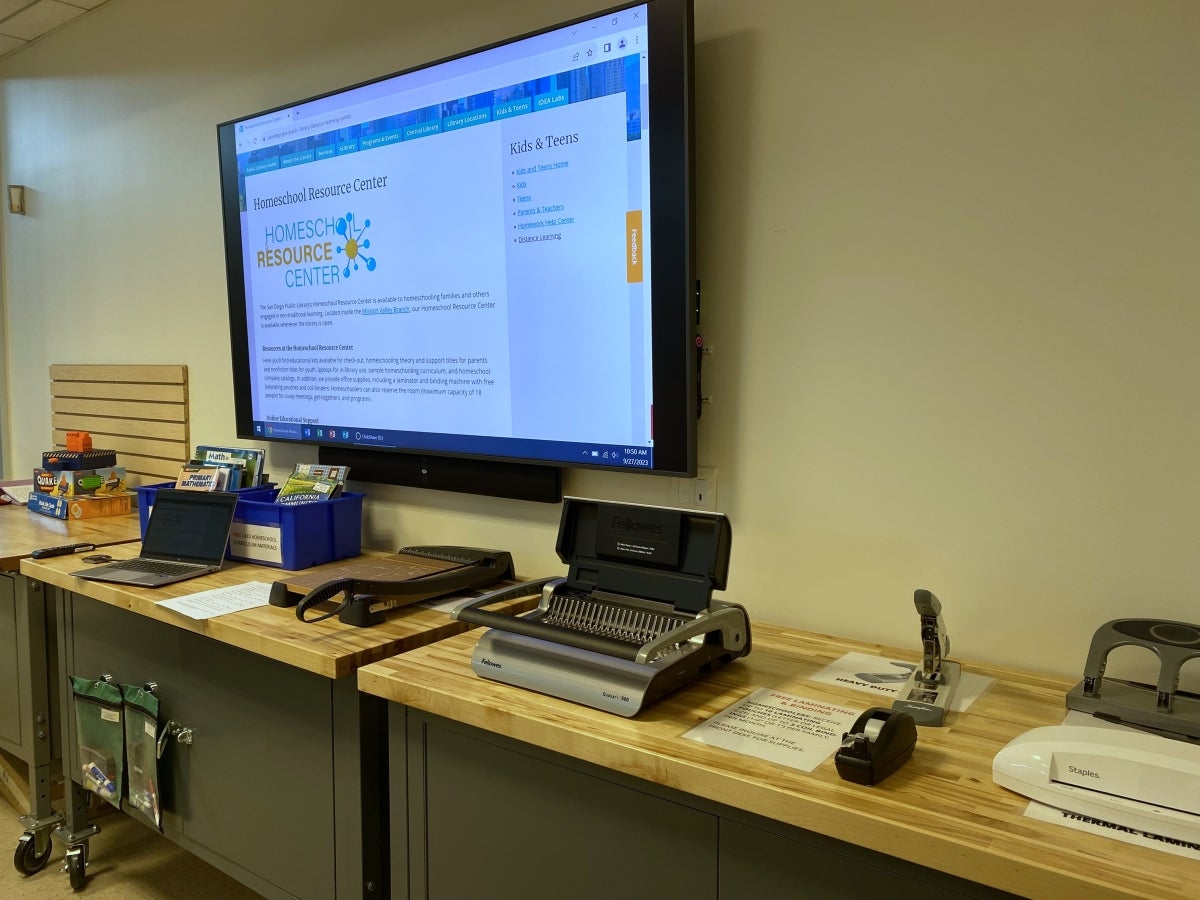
column 256, row 543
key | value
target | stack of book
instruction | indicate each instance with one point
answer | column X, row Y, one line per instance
column 214, row 468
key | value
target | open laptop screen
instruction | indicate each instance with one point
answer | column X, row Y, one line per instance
column 189, row 526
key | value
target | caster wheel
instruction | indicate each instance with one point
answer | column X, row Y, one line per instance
column 27, row 859
column 76, row 867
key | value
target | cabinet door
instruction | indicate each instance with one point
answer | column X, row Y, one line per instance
column 253, row 792
column 757, row 864
column 102, row 640
column 494, row 822
column 256, row 783
column 10, row 682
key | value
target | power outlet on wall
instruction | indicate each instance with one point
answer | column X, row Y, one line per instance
column 702, row 490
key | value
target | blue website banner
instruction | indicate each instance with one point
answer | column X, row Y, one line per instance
column 573, row 86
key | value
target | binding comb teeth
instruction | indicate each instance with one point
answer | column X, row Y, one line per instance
column 610, row 620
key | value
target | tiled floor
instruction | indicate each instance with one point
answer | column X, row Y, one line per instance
column 127, row 861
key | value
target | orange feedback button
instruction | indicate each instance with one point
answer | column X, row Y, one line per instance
column 633, row 246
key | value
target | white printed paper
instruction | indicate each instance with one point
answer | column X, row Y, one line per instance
column 886, row 677
column 219, row 601
column 1044, row 813
column 783, row 728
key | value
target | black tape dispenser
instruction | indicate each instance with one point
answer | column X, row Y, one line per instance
column 880, row 741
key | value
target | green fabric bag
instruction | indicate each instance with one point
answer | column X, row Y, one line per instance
column 141, row 748
column 100, row 736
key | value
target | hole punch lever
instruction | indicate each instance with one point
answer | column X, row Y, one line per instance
column 930, row 689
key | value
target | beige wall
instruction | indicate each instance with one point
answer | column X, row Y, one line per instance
column 949, row 263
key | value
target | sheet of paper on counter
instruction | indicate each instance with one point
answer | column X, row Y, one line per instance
column 219, row 601
column 783, row 728
column 884, row 677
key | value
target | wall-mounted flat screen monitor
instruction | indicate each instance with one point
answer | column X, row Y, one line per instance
column 485, row 258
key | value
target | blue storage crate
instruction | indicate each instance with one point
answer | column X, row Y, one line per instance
column 296, row 537
column 146, row 493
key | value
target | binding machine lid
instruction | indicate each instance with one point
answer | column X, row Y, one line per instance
column 676, row 556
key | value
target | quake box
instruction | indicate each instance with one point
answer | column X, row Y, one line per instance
column 80, row 507
column 80, row 482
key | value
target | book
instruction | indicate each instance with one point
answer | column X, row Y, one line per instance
column 255, row 461
column 235, row 471
column 197, row 477
column 302, row 488
column 322, row 470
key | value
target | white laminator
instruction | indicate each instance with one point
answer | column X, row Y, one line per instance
column 1129, row 778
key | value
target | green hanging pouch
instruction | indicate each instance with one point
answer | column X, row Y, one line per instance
column 141, row 750
column 100, row 736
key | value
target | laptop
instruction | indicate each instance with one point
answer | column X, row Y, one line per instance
column 185, row 538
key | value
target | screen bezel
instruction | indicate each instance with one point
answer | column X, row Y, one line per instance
column 674, row 309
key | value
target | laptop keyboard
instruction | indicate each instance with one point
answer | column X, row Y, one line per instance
column 157, row 566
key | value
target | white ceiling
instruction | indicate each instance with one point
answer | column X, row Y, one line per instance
column 22, row 21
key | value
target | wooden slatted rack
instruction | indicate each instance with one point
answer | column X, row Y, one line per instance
column 141, row 412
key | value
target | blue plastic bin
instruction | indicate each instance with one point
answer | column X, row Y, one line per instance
column 287, row 537
column 307, row 534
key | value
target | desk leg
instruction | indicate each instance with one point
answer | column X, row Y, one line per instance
column 76, row 829
column 360, row 791
column 33, row 849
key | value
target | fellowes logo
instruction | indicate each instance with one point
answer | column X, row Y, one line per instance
column 633, row 526
column 484, row 661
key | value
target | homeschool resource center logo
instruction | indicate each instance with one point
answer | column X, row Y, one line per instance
column 319, row 251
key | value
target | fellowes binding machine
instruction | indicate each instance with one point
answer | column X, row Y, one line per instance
column 634, row 618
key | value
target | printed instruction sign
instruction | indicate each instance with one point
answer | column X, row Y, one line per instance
column 886, row 677
column 783, row 728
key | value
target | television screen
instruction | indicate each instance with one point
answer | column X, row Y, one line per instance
column 488, row 257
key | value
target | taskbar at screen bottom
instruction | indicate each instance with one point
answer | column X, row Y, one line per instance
column 563, row 452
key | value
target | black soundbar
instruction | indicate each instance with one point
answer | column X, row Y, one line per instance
column 515, row 481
